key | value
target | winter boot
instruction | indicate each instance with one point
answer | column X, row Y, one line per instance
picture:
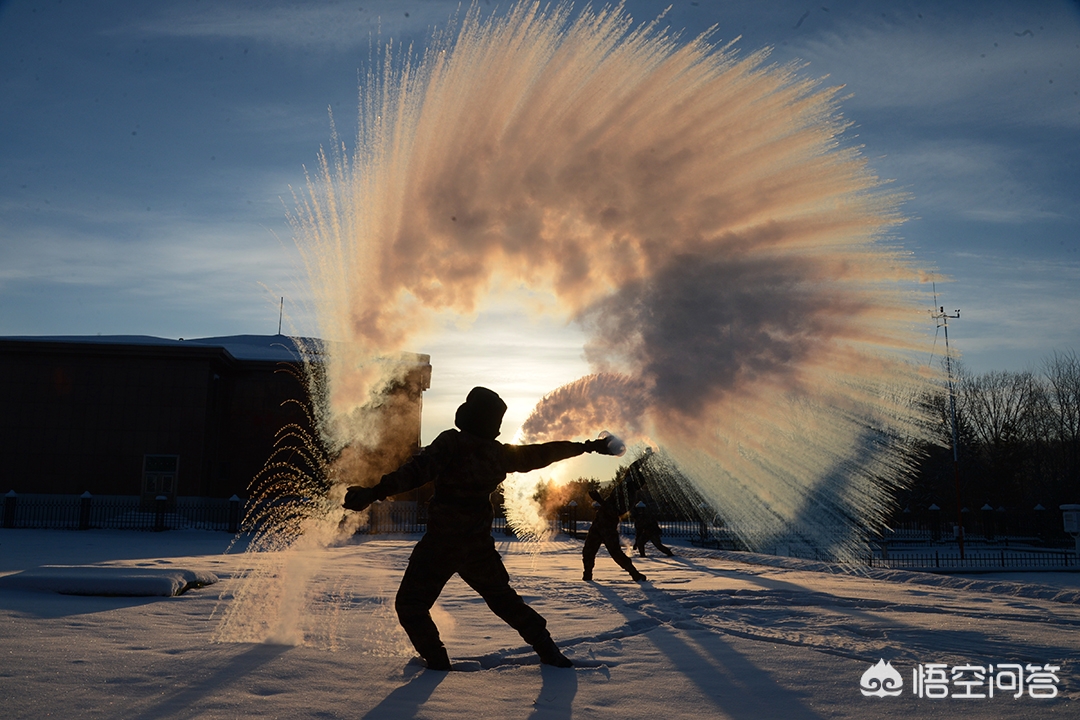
column 587, row 576
column 638, row 576
column 437, row 659
column 550, row 655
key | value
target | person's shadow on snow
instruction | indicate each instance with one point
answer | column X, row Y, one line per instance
column 405, row 702
column 736, row 684
column 557, row 691
column 228, row 674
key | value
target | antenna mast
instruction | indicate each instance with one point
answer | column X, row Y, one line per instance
column 281, row 311
column 942, row 319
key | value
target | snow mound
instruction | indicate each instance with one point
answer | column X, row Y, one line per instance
column 108, row 581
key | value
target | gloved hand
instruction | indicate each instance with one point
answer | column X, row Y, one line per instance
column 600, row 445
column 358, row 497
column 606, row 444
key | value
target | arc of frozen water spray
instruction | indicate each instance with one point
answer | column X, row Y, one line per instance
column 694, row 210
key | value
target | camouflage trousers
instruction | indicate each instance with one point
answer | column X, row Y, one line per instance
column 433, row 562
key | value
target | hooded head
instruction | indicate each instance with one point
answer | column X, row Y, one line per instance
column 481, row 414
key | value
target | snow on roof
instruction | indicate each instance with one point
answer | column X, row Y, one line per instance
column 281, row 348
column 265, row 348
column 274, row 348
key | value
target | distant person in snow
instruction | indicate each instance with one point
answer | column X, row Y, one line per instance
column 605, row 531
column 466, row 465
column 646, row 527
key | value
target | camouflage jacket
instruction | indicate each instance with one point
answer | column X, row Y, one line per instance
column 466, row 469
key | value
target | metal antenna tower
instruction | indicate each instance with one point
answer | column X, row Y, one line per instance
column 942, row 319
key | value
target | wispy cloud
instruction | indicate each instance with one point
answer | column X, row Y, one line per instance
column 973, row 179
column 218, row 271
column 315, row 27
column 1014, row 307
column 1014, row 67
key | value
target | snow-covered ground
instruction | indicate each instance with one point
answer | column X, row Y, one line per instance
column 712, row 634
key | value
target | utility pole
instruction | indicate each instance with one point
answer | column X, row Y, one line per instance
column 942, row 318
column 281, row 311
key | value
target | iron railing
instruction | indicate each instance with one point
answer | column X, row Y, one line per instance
column 977, row 560
column 65, row 512
column 131, row 513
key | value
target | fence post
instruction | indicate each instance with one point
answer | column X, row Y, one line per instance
column 234, row 514
column 11, row 501
column 85, row 501
column 573, row 518
column 160, row 503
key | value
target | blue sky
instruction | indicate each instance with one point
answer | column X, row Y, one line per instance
column 147, row 151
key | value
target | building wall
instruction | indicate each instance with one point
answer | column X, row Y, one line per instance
column 75, row 418
column 255, row 401
column 81, row 416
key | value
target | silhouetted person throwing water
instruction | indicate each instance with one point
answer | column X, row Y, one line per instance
column 466, row 465
column 605, row 531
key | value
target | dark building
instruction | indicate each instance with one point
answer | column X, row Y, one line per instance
column 148, row 416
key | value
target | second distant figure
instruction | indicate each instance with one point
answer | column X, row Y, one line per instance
column 646, row 527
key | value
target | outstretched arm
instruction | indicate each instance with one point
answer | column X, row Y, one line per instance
column 420, row 469
column 525, row 458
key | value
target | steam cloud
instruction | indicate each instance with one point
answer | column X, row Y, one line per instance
column 692, row 208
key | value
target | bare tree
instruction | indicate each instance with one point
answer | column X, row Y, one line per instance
column 999, row 407
column 1062, row 374
column 1019, row 440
